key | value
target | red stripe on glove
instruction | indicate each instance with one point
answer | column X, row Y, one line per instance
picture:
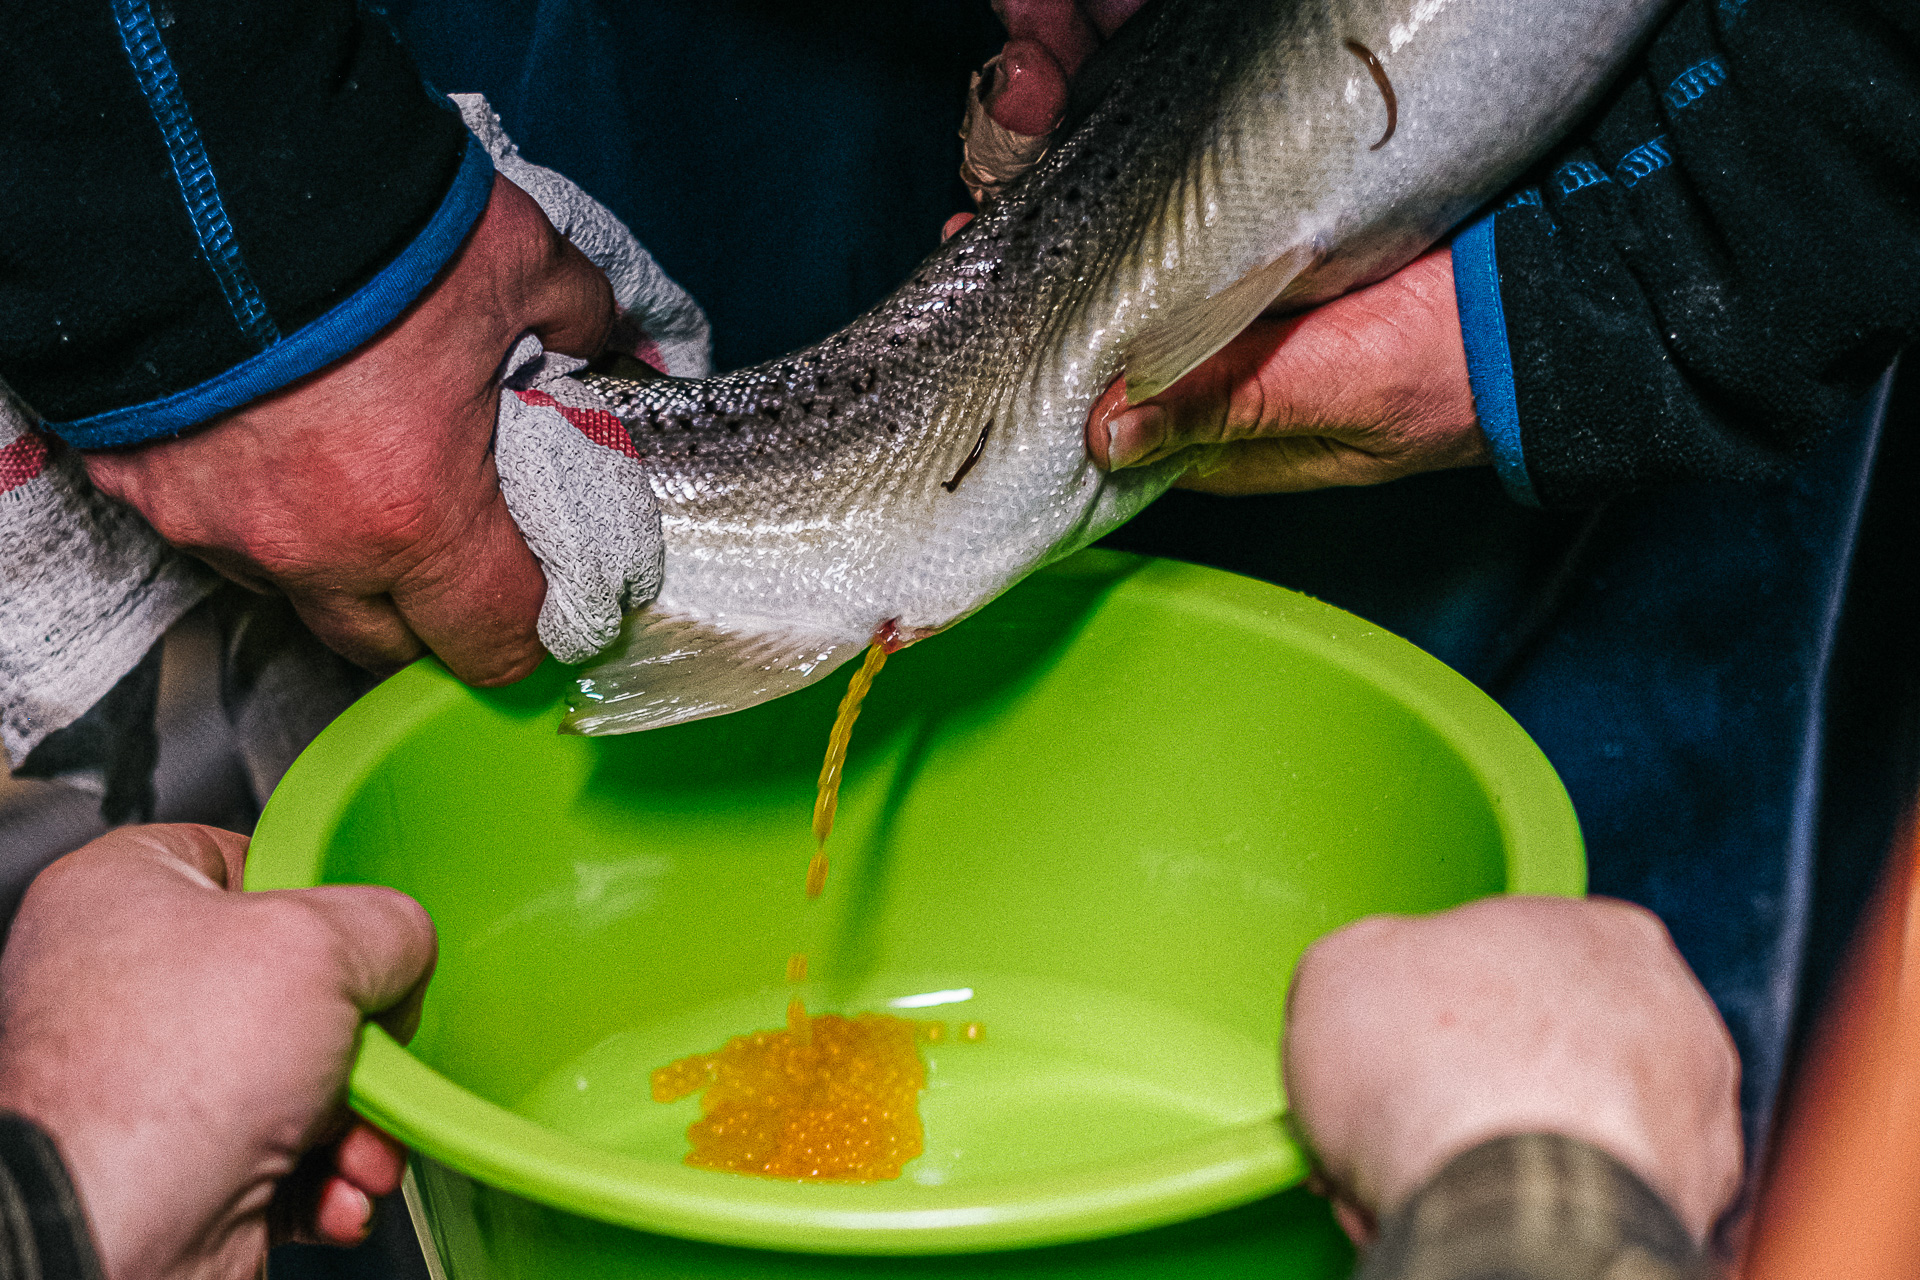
column 647, row 351
column 23, row 459
column 596, row 425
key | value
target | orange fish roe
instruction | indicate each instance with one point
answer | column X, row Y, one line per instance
column 827, row 797
column 828, row 1098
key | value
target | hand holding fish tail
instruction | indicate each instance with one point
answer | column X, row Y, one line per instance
column 1367, row 388
column 1019, row 96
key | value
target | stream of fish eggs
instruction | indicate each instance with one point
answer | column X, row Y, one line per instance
column 826, row 1097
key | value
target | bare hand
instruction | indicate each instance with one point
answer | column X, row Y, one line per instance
column 1366, row 388
column 185, row 1043
column 367, row 492
column 1412, row 1039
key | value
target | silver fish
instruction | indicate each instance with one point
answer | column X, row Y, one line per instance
column 1221, row 158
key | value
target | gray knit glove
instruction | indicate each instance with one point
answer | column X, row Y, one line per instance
column 570, row 474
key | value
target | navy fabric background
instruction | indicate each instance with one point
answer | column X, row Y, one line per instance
column 786, row 162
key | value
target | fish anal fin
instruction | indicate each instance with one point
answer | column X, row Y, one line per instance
column 668, row 668
column 1176, row 343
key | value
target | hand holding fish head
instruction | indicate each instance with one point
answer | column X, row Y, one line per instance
column 1367, row 388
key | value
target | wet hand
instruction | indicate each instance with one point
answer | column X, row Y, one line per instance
column 187, row 1046
column 1412, row 1039
column 367, row 492
column 1369, row 387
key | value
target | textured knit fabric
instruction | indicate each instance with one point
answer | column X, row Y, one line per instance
column 1726, row 257
column 569, row 472
column 86, row 587
column 573, row 482
column 43, row 1231
column 190, row 187
column 1533, row 1207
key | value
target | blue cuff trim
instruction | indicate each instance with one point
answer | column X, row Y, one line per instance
column 373, row 307
column 1483, row 324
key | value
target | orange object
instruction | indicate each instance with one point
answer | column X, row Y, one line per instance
column 797, row 967
column 827, row 799
column 816, row 873
column 1841, row 1196
column 828, row 1098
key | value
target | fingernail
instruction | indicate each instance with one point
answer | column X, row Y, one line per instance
column 1134, row 434
column 1031, row 90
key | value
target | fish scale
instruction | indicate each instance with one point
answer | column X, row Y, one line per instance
column 1219, row 161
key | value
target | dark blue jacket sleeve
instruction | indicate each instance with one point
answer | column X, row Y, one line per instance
column 43, row 1230
column 1717, row 265
column 203, row 202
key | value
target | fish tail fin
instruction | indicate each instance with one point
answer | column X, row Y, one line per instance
column 1181, row 339
column 668, row 668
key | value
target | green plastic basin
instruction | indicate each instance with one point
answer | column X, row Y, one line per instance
column 1102, row 819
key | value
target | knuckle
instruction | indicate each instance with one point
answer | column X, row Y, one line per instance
column 110, row 474
column 506, row 668
column 296, row 931
column 1255, row 409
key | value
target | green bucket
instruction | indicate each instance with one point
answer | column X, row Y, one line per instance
column 1101, row 819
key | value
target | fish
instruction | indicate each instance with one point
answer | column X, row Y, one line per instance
column 1217, row 160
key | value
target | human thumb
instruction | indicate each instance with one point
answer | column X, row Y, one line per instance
column 384, row 950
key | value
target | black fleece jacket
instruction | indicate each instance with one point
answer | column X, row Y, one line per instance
column 190, row 185
column 1724, row 257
